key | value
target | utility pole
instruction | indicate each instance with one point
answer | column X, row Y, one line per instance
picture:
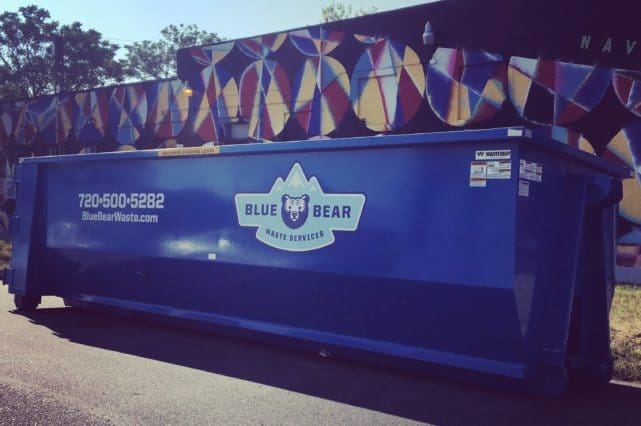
column 59, row 59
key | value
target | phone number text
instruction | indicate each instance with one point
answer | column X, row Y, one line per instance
column 111, row 200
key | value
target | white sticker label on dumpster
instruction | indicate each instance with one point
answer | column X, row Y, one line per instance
column 499, row 169
column 530, row 171
column 524, row 188
column 179, row 152
column 296, row 214
column 538, row 176
column 478, row 174
column 514, row 132
column 498, row 154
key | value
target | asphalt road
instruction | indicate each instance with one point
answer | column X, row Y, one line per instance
column 69, row 366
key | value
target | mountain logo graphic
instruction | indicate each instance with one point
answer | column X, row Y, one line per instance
column 296, row 214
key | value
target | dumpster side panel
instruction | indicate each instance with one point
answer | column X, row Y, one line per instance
column 550, row 220
column 590, row 354
column 419, row 257
column 400, row 318
column 24, row 231
column 411, row 227
column 564, row 266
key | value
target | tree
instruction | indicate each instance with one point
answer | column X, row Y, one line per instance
column 157, row 59
column 28, row 65
column 25, row 52
column 336, row 11
column 89, row 61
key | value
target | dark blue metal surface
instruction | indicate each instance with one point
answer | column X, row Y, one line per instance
column 397, row 255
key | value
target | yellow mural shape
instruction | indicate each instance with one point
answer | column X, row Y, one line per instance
column 519, row 86
column 265, row 101
column 220, row 101
column 388, row 86
column 630, row 205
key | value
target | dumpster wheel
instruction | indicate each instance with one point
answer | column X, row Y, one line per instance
column 26, row 302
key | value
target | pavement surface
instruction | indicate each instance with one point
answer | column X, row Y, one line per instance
column 70, row 366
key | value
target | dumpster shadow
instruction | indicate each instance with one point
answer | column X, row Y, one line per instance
column 386, row 390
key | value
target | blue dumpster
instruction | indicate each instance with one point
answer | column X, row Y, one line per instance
column 484, row 255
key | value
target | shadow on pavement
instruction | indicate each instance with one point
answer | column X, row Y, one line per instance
column 376, row 388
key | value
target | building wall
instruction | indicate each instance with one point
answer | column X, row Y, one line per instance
column 567, row 69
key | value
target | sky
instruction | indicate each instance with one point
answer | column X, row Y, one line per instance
column 126, row 21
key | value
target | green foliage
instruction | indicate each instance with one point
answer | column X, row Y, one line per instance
column 25, row 52
column 28, row 65
column 89, row 61
column 157, row 59
column 336, row 11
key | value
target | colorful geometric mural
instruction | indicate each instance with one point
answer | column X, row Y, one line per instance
column 217, row 101
column 7, row 189
column 368, row 39
column 44, row 116
column 465, row 86
column 64, row 119
column 264, row 88
column 626, row 146
column 211, row 55
column 321, row 94
column 550, row 92
column 91, row 115
column 168, row 106
column 316, row 41
column 7, row 164
column 262, row 47
column 215, row 96
column 387, row 85
column 6, row 123
column 24, row 130
column 627, row 86
column 321, row 86
column 264, row 99
column 128, row 113
column 567, row 136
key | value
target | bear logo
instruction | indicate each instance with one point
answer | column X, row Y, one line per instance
column 294, row 210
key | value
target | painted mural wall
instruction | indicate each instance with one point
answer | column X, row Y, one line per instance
column 367, row 76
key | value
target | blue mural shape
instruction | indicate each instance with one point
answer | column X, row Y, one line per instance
column 465, row 87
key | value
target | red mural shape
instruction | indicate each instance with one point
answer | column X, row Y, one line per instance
column 627, row 86
column 466, row 87
column 551, row 92
column 264, row 99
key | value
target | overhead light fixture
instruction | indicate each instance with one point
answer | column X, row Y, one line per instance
column 428, row 34
column 187, row 91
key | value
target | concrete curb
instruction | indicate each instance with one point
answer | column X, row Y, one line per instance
column 628, row 384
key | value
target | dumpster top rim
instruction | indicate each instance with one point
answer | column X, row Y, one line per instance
column 502, row 134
